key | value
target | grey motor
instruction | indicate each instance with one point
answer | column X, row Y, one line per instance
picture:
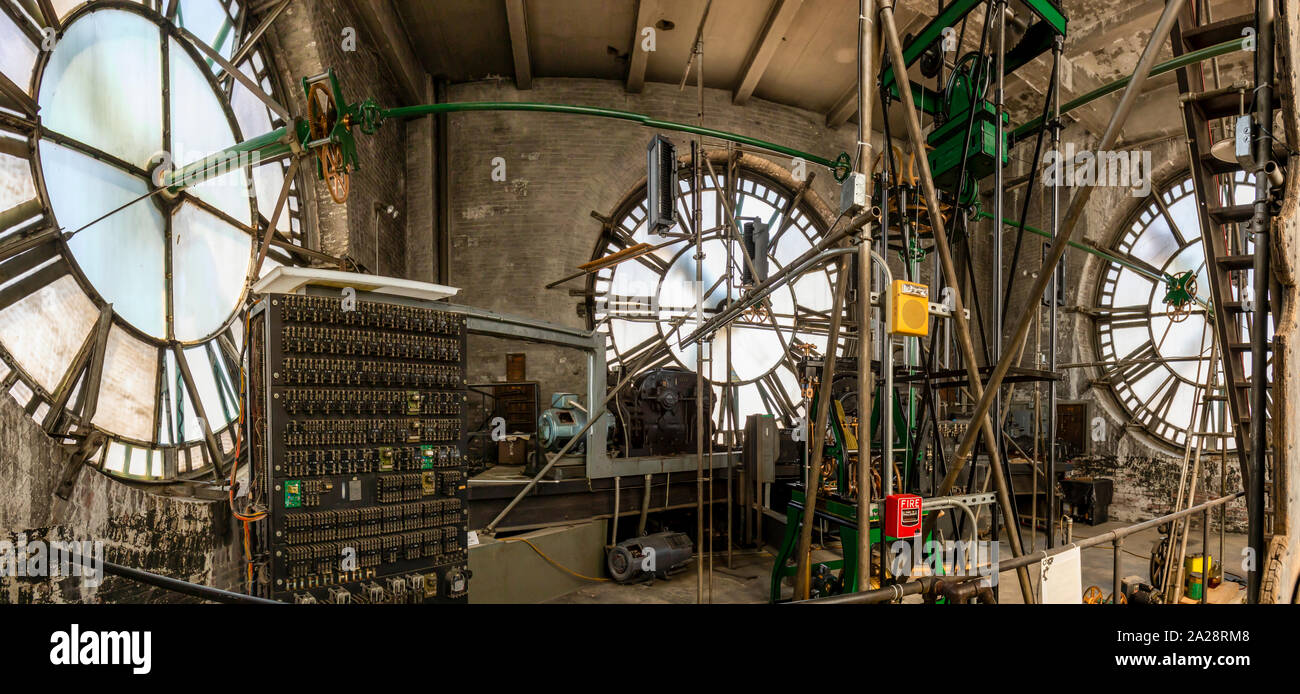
column 648, row 557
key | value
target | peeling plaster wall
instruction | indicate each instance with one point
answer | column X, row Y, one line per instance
column 182, row 538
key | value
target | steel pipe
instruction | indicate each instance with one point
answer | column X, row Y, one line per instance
column 812, row 478
column 1259, row 332
column 178, row 586
column 1037, row 556
column 866, row 384
column 1117, row 535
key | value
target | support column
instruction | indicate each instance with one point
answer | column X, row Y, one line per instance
column 866, row 383
column 1259, row 333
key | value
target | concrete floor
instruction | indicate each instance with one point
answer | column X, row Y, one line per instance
column 1097, row 562
column 748, row 580
column 745, row 582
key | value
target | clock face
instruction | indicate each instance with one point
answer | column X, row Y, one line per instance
column 118, row 308
column 641, row 302
column 1156, row 360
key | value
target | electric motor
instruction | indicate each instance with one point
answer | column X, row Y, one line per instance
column 641, row 558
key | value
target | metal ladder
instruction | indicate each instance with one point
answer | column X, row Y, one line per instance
column 1224, row 226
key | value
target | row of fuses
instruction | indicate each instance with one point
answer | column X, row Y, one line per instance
column 344, row 524
column 312, row 371
column 341, row 401
column 367, row 314
column 312, row 339
column 349, row 432
column 340, row 461
column 327, row 557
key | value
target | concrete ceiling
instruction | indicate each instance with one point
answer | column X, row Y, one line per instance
column 796, row 52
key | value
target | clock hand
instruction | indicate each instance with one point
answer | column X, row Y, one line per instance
column 68, row 236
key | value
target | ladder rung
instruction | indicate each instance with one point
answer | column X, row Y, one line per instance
column 1237, row 262
column 1218, row 166
column 1219, row 103
column 1231, row 213
column 1207, row 35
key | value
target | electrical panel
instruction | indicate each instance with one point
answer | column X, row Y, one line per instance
column 357, row 439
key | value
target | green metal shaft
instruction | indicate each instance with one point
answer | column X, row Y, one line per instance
column 1075, row 244
column 639, row 118
column 263, row 148
column 1155, row 277
column 1032, row 127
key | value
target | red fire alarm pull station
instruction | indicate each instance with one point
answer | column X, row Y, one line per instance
column 902, row 515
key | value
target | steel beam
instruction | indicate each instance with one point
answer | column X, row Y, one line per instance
column 813, row 473
column 646, row 11
column 214, row 450
column 251, row 39
column 1260, row 226
column 84, row 356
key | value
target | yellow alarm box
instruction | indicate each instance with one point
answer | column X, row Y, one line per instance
column 910, row 309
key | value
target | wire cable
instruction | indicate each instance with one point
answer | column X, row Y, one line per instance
column 554, row 563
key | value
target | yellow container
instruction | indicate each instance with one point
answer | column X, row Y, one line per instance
column 1193, row 565
column 910, row 309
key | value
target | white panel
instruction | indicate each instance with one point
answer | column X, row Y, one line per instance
column 205, row 382
column 116, row 457
column 209, row 263
column 121, row 255
column 206, row 19
column 1062, row 578
column 138, row 465
column 103, row 85
column 44, row 329
column 15, row 181
column 17, row 54
column 200, row 128
column 254, row 120
column 126, row 394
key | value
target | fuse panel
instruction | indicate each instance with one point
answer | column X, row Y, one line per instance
column 357, row 434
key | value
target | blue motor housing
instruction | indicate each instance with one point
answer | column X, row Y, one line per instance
column 561, row 422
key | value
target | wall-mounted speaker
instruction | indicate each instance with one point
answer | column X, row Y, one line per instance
column 661, row 184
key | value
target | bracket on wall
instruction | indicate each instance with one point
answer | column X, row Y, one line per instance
column 79, row 453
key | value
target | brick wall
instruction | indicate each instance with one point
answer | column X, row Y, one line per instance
column 509, row 239
column 421, row 211
column 306, row 40
column 183, row 538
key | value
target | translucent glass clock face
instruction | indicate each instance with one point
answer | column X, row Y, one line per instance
column 1157, row 360
column 115, row 91
column 104, row 85
column 653, row 298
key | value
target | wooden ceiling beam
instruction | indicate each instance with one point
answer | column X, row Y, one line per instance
column 646, row 12
column 778, row 22
column 517, row 17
